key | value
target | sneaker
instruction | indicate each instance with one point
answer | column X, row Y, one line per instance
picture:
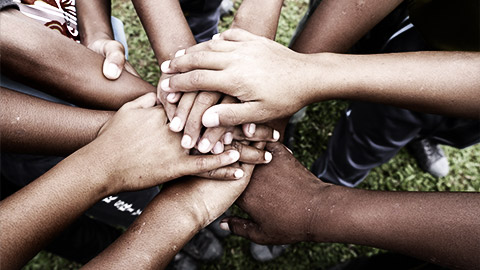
column 204, row 246
column 430, row 157
column 182, row 261
column 264, row 253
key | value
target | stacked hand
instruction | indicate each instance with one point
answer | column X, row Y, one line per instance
column 244, row 66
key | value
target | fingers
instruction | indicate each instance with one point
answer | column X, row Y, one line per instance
column 243, row 227
column 250, row 154
column 197, row 80
column 114, row 59
column 169, row 107
column 211, row 140
column 205, row 163
column 196, row 60
column 233, row 115
column 193, row 126
column 143, row 102
column 131, row 69
column 225, row 173
column 182, row 111
column 262, row 133
column 237, row 34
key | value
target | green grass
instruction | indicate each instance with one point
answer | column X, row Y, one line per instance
column 400, row 173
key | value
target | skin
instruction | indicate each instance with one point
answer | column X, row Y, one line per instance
column 169, row 221
column 118, row 160
column 169, row 34
column 36, row 126
column 94, row 91
column 97, row 34
column 294, row 206
column 447, row 79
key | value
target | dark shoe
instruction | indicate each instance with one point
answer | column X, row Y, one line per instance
column 182, row 261
column 204, row 246
column 430, row 157
column 263, row 253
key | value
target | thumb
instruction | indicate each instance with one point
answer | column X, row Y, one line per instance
column 232, row 114
column 242, row 227
column 143, row 102
column 237, row 34
column 205, row 163
column 114, row 59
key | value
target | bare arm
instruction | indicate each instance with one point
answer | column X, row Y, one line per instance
column 288, row 204
column 435, row 82
column 56, row 65
column 169, row 221
column 337, row 24
column 128, row 154
column 33, row 125
column 94, row 20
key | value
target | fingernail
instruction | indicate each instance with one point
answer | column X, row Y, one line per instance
column 216, row 36
column 268, row 156
column 186, row 142
column 165, row 66
column 238, row 173
column 112, row 71
column 165, row 84
column 228, row 138
column 234, row 155
column 224, row 226
column 218, row 148
column 175, row 124
column 204, row 145
column 252, row 128
column 171, row 97
column 276, row 135
column 210, row 119
column 180, row 53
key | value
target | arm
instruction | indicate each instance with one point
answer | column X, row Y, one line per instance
column 33, row 125
column 288, row 204
column 336, row 25
column 37, row 55
column 128, row 154
column 94, row 20
column 436, row 82
column 169, row 222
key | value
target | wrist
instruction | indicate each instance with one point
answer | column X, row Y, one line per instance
column 331, row 76
column 89, row 39
column 330, row 216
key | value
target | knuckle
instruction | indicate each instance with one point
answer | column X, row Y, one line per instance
column 196, row 78
column 206, row 98
column 201, row 163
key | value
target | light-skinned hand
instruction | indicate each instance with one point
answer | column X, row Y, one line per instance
column 137, row 150
column 259, row 72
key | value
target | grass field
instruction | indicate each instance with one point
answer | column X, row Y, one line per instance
column 401, row 173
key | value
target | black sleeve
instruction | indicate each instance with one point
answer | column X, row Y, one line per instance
column 7, row 4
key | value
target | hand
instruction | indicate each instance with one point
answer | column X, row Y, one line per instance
column 114, row 54
column 136, row 149
column 282, row 200
column 262, row 74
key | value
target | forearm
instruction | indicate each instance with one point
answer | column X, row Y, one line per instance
column 159, row 233
column 251, row 16
column 166, row 27
column 434, row 82
column 337, row 24
column 56, row 65
column 443, row 228
column 30, row 218
column 33, row 125
column 94, row 20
